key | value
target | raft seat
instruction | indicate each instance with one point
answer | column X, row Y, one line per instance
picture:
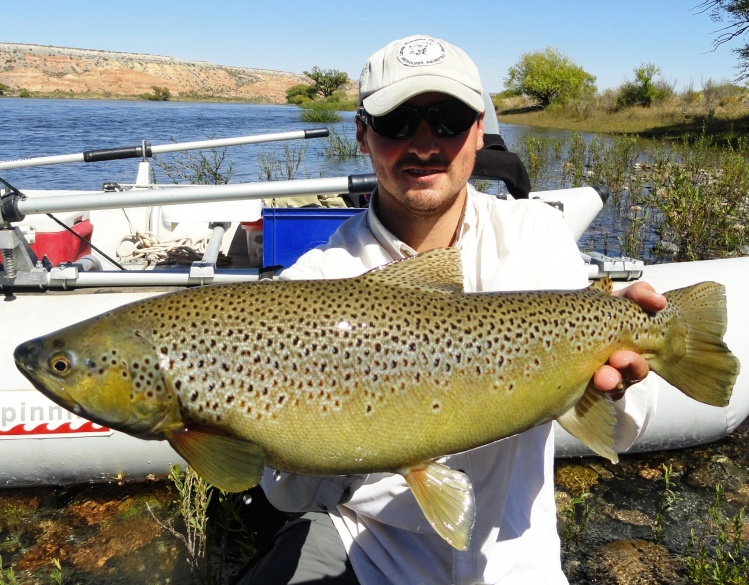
column 244, row 210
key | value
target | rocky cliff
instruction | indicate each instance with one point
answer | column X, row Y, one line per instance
column 68, row 71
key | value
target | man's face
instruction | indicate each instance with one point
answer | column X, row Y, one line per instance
column 422, row 175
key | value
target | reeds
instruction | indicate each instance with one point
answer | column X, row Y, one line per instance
column 688, row 201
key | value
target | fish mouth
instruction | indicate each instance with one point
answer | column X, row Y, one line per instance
column 28, row 356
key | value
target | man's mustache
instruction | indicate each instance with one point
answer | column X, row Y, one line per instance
column 413, row 161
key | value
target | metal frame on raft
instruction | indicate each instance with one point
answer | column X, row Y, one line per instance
column 22, row 270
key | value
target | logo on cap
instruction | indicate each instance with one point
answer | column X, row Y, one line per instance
column 422, row 51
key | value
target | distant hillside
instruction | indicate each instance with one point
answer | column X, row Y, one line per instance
column 109, row 74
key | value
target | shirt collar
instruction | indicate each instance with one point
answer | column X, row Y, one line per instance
column 387, row 240
column 398, row 249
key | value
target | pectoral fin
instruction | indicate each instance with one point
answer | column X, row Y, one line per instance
column 593, row 421
column 230, row 464
column 446, row 498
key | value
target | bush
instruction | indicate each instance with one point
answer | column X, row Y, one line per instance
column 160, row 94
column 320, row 112
column 645, row 90
column 300, row 93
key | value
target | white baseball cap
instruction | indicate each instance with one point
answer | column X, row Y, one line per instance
column 415, row 65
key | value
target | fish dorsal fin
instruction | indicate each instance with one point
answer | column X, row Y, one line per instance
column 438, row 270
column 446, row 498
column 230, row 464
column 603, row 285
column 593, row 421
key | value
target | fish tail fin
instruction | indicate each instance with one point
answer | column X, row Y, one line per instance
column 593, row 422
column 696, row 360
column 446, row 498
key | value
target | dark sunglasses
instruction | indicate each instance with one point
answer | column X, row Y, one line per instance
column 446, row 120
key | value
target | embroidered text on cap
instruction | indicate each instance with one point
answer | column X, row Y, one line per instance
column 422, row 51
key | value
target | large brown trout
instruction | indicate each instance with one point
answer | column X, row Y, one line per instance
column 381, row 373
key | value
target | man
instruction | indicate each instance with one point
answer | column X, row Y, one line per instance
column 421, row 122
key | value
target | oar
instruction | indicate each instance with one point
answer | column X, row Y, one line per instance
column 14, row 205
column 145, row 150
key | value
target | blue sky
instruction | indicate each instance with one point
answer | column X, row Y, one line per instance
column 608, row 38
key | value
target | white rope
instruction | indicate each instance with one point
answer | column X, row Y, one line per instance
column 141, row 246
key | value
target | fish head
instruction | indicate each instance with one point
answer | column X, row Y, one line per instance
column 107, row 374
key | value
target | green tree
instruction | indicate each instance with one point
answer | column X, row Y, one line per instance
column 548, row 76
column 326, row 81
column 644, row 90
column 160, row 94
column 736, row 14
column 298, row 94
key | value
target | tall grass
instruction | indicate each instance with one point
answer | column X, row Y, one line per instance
column 691, row 198
column 338, row 145
column 320, row 112
column 720, row 108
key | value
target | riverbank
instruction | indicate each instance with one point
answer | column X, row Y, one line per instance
column 46, row 71
column 671, row 122
column 98, row 96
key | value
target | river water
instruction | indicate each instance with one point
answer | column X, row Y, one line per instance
column 36, row 127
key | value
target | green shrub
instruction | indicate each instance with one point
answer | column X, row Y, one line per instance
column 160, row 94
column 300, row 93
column 320, row 112
column 644, row 90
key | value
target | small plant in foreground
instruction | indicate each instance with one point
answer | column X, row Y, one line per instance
column 668, row 497
column 7, row 576
column 575, row 515
column 194, row 498
column 718, row 554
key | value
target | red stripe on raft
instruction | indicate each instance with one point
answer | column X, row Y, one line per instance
column 63, row 429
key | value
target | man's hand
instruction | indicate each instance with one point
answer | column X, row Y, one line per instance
column 627, row 367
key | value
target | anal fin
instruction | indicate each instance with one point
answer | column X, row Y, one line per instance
column 446, row 498
column 593, row 421
column 230, row 464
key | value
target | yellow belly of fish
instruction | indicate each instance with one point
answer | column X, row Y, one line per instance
column 394, row 422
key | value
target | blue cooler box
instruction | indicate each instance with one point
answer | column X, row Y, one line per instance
column 289, row 232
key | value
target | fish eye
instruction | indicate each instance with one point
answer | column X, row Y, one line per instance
column 61, row 364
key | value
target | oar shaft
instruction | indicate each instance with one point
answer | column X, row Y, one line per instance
column 137, row 151
column 193, row 194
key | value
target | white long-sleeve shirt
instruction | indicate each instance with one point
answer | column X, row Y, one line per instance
column 505, row 245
